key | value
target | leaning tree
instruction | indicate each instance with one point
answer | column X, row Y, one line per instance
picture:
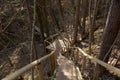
column 110, row 33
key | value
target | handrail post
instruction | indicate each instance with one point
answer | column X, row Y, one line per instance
column 40, row 74
column 83, row 65
column 77, row 55
column 53, row 63
column 19, row 72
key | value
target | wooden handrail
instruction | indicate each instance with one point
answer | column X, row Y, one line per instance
column 19, row 72
column 110, row 68
column 52, row 36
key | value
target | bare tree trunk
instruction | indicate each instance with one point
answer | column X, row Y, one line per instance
column 39, row 12
column 28, row 13
column 93, row 26
column 90, row 27
column 73, row 4
column 54, row 21
column 32, row 39
column 84, row 9
column 45, row 17
column 42, row 17
column 39, row 16
column 111, row 30
column 76, row 20
column 60, row 11
column 106, row 10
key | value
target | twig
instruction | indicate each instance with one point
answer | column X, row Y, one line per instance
column 13, row 17
column 9, row 39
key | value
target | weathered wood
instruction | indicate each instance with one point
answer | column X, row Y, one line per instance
column 40, row 74
column 58, row 45
column 19, row 72
column 110, row 68
column 79, row 74
column 83, row 65
column 53, row 62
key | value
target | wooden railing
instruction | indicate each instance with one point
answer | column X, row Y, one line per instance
column 19, row 72
column 52, row 62
column 110, row 68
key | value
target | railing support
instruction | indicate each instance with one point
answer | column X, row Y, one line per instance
column 53, row 63
column 83, row 65
column 40, row 75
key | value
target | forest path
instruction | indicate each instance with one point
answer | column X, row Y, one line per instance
column 66, row 69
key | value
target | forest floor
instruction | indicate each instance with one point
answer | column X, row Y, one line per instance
column 15, row 58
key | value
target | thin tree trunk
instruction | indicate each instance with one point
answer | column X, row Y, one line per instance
column 106, row 10
column 76, row 20
column 90, row 27
column 28, row 14
column 111, row 30
column 73, row 5
column 32, row 40
column 60, row 11
column 34, row 55
column 54, row 21
column 96, row 4
column 39, row 14
column 45, row 17
column 85, row 4
column 40, row 20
